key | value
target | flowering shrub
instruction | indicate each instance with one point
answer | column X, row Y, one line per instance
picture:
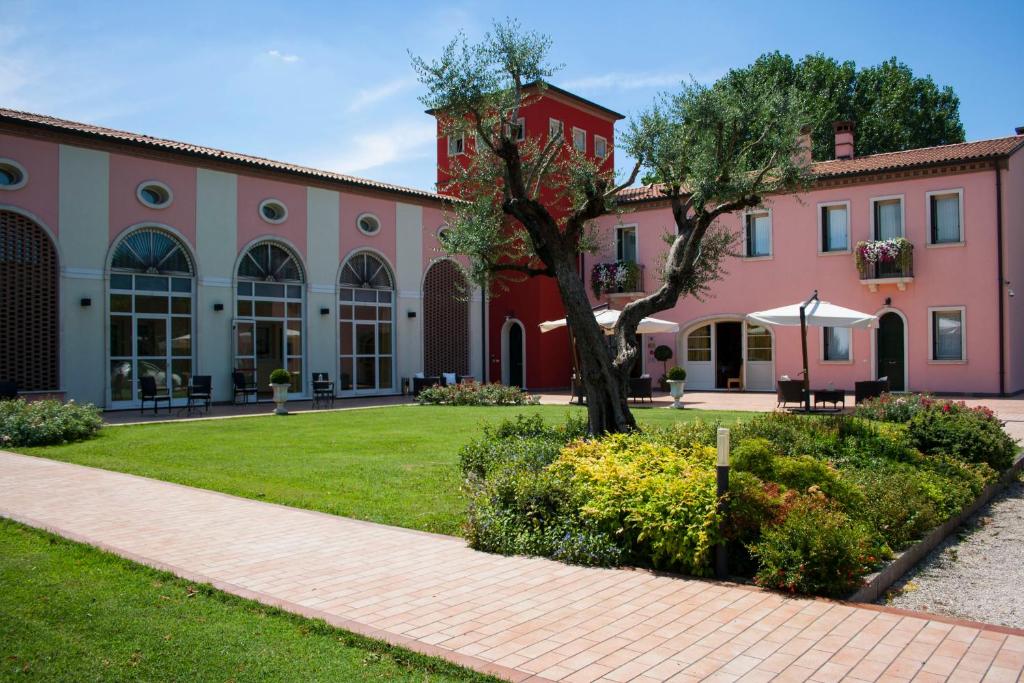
column 898, row 250
column 818, row 549
column 43, row 423
column 618, row 276
column 475, row 394
column 893, row 407
column 970, row 434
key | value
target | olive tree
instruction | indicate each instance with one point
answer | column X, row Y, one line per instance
column 526, row 207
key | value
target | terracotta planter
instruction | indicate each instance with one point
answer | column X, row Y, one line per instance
column 280, row 397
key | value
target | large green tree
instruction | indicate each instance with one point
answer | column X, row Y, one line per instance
column 527, row 206
column 892, row 108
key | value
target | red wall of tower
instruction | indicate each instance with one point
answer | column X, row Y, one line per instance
column 548, row 356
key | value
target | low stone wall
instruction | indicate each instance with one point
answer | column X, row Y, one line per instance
column 876, row 584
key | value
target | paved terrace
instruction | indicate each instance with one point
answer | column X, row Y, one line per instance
column 521, row 618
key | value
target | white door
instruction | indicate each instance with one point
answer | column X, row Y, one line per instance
column 760, row 355
column 698, row 357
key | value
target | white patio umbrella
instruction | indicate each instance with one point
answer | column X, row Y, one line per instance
column 812, row 312
column 607, row 318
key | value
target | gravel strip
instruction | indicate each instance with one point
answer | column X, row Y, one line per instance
column 978, row 572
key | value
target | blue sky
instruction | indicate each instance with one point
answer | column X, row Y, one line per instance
column 329, row 84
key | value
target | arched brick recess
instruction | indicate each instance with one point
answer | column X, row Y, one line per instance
column 445, row 320
column 28, row 305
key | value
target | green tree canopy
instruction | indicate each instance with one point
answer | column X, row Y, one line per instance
column 892, row 108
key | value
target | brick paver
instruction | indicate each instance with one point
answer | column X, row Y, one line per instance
column 522, row 618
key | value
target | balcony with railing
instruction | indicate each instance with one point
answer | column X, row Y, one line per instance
column 617, row 279
column 885, row 262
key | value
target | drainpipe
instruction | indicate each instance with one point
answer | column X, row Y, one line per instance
column 484, row 366
column 999, row 268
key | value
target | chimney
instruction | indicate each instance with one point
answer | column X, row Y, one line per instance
column 802, row 157
column 844, row 139
column 1019, row 130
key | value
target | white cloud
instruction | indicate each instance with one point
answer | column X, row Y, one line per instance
column 624, row 81
column 369, row 96
column 286, row 58
column 618, row 80
column 401, row 141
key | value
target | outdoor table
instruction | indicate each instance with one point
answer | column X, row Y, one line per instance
column 833, row 396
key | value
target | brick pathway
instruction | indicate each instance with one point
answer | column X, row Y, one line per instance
column 524, row 619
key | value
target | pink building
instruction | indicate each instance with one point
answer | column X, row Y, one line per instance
column 124, row 257
column 949, row 320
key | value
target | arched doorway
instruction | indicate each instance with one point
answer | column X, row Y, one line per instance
column 513, row 354
column 718, row 350
column 151, row 285
column 890, row 350
column 445, row 320
column 270, row 315
column 366, row 326
column 29, row 354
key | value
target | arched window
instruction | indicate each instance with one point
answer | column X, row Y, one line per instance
column 270, row 314
column 366, row 324
column 151, row 327
column 28, row 305
column 270, row 262
column 445, row 320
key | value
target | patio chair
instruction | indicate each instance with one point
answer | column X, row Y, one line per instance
column 870, row 389
column 640, row 388
column 421, row 383
column 323, row 389
column 735, row 382
column 200, row 392
column 789, row 391
column 243, row 387
column 148, row 392
column 8, row 390
column 579, row 392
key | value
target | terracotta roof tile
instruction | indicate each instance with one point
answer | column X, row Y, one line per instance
column 878, row 163
column 99, row 132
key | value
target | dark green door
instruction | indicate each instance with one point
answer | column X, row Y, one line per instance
column 515, row 356
column 890, row 350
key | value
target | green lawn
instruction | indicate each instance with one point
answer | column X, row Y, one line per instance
column 395, row 465
column 69, row 612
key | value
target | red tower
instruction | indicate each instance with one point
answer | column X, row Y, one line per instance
column 517, row 352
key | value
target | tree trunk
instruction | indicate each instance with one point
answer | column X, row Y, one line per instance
column 606, row 388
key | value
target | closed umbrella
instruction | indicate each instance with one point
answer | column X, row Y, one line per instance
column 812, row 312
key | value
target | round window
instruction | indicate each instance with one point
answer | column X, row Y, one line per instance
column 153, row 194
column 273, row 211
column 12, row 175
column 368, row 224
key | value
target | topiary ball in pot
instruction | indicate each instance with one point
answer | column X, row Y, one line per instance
column 676, row 380
column 664, row 354
column 280, row 382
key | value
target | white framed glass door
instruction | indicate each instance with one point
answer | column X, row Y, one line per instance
column 366, row 325
column 150, row 335
column 268, row 333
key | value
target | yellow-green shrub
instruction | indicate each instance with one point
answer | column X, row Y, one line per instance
column 658, row 502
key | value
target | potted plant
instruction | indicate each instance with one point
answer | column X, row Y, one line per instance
column 280, row 382
column 676, row 380
column 664, row 354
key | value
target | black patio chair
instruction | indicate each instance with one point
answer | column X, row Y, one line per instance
column 8, row 390
column 323, row 390
column 640, row 388
column 200, row 392
column 421, row 383
column 243, row 387
column 789, row 391
column 148, row 392
column 870, row 389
